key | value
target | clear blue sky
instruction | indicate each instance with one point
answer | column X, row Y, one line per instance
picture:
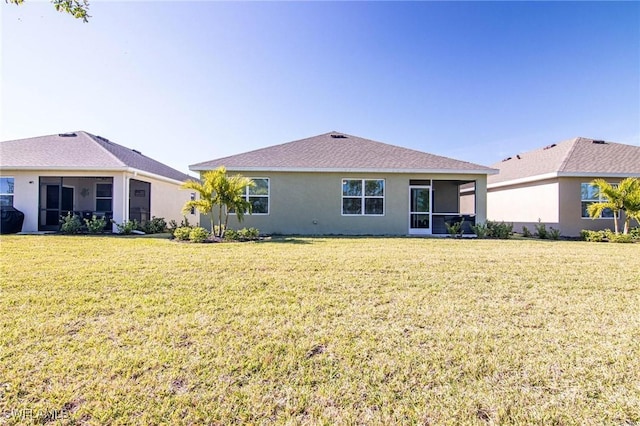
column 185, row 82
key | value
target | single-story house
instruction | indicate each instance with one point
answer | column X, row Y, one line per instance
column 339, row 184
column 48, row 177
column 552, row 184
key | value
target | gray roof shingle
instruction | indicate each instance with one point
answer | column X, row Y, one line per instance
column 336, row 151
column 79, row 151
column 577, row 156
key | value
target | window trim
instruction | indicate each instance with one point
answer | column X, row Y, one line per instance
column 11, row 194
column 363, row 197
column 600, row 199
column 96, row 198
column 268, row 196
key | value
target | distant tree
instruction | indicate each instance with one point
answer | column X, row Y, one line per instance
column 79, row 9
column 225, row 192
column 622, row 197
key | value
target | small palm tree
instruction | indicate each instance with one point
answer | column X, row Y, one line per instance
column 207, row 196
column 225, row 192
column 617, row 198
column 632, row 206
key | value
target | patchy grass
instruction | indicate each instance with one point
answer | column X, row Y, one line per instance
column 104, row 330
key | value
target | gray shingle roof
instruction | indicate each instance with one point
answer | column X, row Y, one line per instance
column 336, row 151
column 577, row 156
column 79, row 151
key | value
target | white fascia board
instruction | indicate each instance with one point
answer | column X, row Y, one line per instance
column 138, row 172
column 553, row 175
column 350, row 170
column 67, row 168
column 596, row 175
column 92, row 170
column 523, row 180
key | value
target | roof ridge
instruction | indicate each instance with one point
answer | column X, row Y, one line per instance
column 569, row 153
column 95, row 139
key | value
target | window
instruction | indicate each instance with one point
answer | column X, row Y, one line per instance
column 258, row 196
column 6, row 191
column 104, row 197
column 193, row 198
column 590, row 195
column 363, row 197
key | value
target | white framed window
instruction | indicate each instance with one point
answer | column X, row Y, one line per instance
column 589, row 194
column 362, row 197
column 6, row 190
column 258, row 196
column 104, row 197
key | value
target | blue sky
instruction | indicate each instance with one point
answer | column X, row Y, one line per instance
column 185, row 82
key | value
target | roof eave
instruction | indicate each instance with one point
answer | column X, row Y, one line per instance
column 554, row 175
column 200, row 168
column 158, row 177
column 69, row 168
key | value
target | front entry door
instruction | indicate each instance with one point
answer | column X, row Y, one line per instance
column 419, row 210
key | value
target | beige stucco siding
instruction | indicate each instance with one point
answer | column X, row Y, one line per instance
column 525, row 203
column 167, row 199
column 571, row 218
column 311, row 204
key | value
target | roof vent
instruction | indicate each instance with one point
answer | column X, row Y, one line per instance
column 67, row 135
column 506, row 159
column 338, row 136
column 599, row 142
column 136, row 151
column 549, row 146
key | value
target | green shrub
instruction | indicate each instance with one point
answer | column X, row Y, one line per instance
column 593, row 236
column 635, row 233
column 500, row 230
column 455, row 230
column 480, row 230
column 96, row 225
column 231, row 235
column 526, row 233
column 154, row 226
column 541, row 230
column 553, row 234
column 620, row 238
column 70, row 224
column 127, row 227
column 182, row 233
column 198, row 234
column 248, row 234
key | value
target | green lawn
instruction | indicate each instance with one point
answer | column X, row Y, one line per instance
column 112, row 330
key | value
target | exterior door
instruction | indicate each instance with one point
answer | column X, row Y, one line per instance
column 419, row 210
column 58, row 203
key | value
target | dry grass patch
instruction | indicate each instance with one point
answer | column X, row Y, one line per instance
column 319, row 331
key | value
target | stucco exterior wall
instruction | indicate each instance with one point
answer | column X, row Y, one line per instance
column 167, row 199
column 571, row 220
column 525, row 204
column 311, row 204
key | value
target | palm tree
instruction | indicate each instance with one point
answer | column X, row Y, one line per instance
column 207, row 195
column 621, row 197
column 632, row 206
column 218, row 189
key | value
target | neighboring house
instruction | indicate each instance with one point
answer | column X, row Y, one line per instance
column 49, row 176
column 338, row 184
column 552, row 184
